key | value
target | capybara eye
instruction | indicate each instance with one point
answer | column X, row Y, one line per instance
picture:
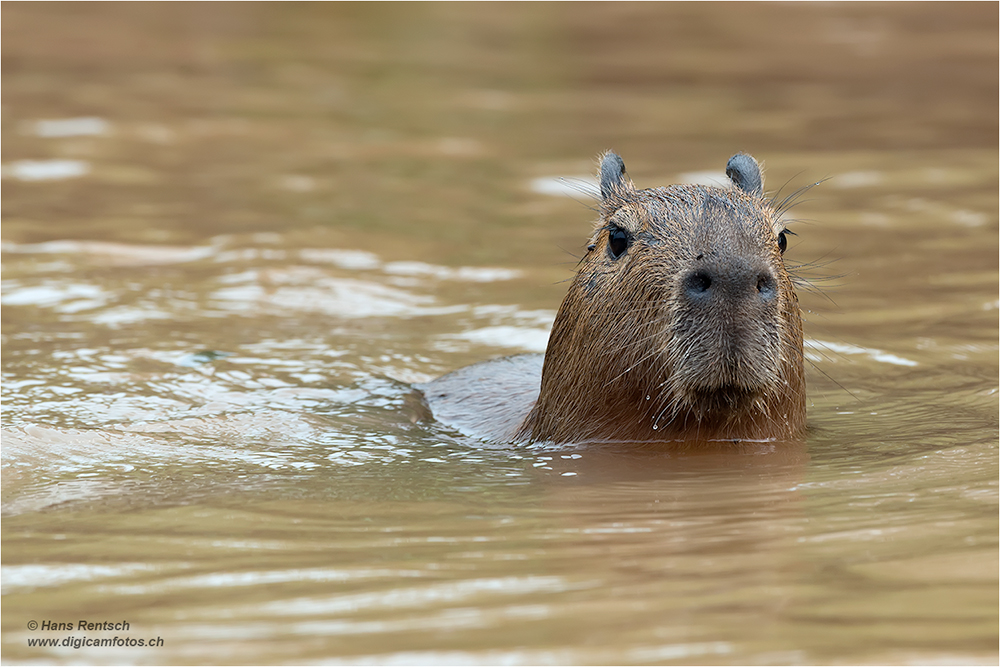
column 617, row 242
column 782, row 241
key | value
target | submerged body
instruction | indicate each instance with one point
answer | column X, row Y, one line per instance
column 681, row 324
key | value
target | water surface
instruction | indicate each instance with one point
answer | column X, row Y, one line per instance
column 235, row 235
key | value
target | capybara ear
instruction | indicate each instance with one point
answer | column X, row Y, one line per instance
column 745, row 174
column 613, row 178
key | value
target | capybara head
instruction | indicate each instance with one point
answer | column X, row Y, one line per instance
column 682, row 322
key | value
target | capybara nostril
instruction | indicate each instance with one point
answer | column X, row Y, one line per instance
column 767, row 287
column 697, row 283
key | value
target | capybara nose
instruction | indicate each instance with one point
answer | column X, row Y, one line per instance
column 732, row 280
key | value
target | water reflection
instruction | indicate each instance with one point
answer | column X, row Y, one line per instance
column 235, row 235
column 70, row 127
column 46, row 170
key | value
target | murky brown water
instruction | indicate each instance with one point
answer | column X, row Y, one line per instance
column 234, row 233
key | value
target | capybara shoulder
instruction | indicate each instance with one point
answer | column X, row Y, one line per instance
column 488, row 400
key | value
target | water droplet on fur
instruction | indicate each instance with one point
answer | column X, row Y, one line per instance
column 647, row 397
column 656, row 426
